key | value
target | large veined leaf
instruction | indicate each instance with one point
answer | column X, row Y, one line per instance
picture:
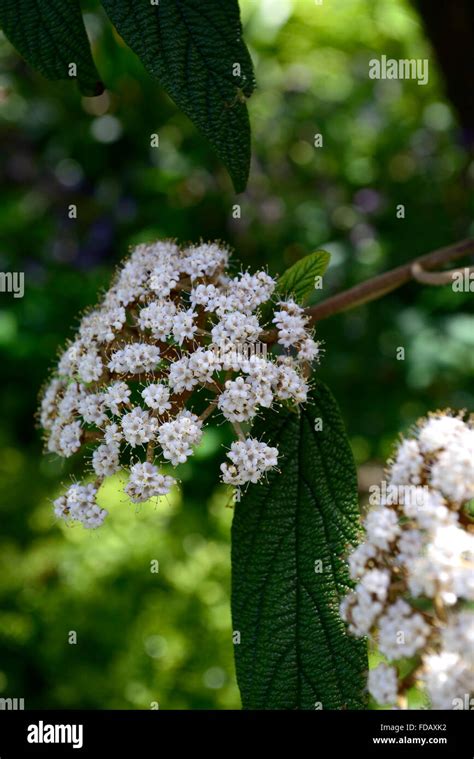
column 299, row 280
column 196, row 50
column 51, row 36
column 289, row 539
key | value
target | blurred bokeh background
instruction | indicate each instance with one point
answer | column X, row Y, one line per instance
column 165, row 637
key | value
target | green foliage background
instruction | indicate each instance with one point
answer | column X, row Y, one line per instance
column 144, row 637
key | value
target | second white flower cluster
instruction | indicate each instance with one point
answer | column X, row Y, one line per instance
column 415, row 570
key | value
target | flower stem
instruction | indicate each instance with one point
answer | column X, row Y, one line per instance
column 384, row 283
column 238, row 430
column 208, row 411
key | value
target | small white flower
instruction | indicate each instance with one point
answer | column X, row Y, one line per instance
column 79, row 504
column 146, row 482
column 157, row 396
column 112, row 434
column 204, row 260
column 69, row 439
column 291, row 323
column 105, row 460
column 51, row 398
column 439, row 432
column 447, row 677
column 203, row 364
column 383, row 684
column 117, row 395
column 452, row 473
column 102, row 324
column 376, row 582
column 458, row 636
column 308, row 350
column 360, row 609
column 184, row 327
column 359, row 559
column 251, row 459
column 207, row 296
column 134, row 359
column 69, row 403
column 178, row 437
column 238, row 402
column 158, row 317
column 245, row 293
column 408, row 465
column 446, row 566
column 402, row 632
column 181, row 376
column 92, row 408
column 290, row 386
column 89, row 365
column 164, row 279
column 138, row 427
column 236, row 328
column 382, row 527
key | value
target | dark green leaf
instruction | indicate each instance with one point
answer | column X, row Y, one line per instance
column 299, row 279
column 294, row 651
column 50, row 35
column 193, row 47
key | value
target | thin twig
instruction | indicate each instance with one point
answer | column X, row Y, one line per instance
column 385, row 283
column 208, row 411
column 150, row 452
column 382, row 284
column 238, row 430
column 90, row 436
column 437, row 277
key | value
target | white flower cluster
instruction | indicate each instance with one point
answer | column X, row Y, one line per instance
column 79, row 503
column 174, row 327
column 415, row 570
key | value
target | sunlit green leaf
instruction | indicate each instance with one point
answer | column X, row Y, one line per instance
column 300, row 279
